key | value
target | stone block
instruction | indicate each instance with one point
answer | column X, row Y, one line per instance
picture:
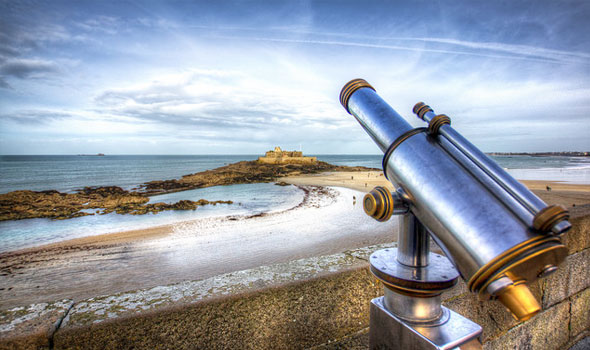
column 492, row 316
column 572, row 276
column 31, row 327
column 582, row 344
column 548, row 330
column 580, row 313
column 578, row 238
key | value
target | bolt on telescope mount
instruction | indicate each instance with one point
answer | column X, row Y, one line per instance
column 495, row 233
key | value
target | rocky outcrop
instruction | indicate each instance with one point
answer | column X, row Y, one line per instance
column 140, row 209
column 56, row 205
column 244, row 172
column 103, row 200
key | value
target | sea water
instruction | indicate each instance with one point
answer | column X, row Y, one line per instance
column 69, row 173
column 248, row 199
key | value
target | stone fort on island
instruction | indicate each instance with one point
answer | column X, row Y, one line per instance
column 278, row 156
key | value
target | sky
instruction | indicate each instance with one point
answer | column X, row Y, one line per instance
column 240, row 77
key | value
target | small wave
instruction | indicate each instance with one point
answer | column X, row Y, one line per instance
column 314, row 197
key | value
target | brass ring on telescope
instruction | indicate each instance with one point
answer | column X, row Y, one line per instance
column 420, row 109
column 396, row 143
column 493, row 265
column 349, row 88
column 528, row 257
column 427, row 290
column 436, row 122
column 420, row 293
column 378, row 204
column 549, row 216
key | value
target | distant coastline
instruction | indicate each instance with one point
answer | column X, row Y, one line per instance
column 541, row 154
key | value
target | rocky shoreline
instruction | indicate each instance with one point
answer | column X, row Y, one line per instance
column 52, row 204
column 244, row 172
column 56, row 205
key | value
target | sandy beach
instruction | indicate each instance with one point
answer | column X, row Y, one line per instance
column 330, row 219
column 565, row 194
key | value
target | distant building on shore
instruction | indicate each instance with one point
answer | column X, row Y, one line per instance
column 278, row 156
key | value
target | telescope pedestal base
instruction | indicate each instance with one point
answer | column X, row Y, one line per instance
column 390, row 332
column 410, row 315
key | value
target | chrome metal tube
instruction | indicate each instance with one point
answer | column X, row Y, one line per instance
column 378, row 119
column 511, row 203
column 519, row 193
column 472, row 226
column 413, row 243
column 478, row 224
column 413, row 309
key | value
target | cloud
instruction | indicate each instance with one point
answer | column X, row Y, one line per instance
column 101, row 24
column 35, row 116
column 18, row 39
column 517, row 50
column 28, row 68
column 222, row 102
column 485, row 50
column 4, row 84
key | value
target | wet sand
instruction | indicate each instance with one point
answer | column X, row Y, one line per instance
column 327, row 221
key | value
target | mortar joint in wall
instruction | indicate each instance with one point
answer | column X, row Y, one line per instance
column 57, row 326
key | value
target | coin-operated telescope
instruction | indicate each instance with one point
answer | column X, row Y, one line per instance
column 496, row 234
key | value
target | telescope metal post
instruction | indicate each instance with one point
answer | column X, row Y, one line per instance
column 413, row 240
column 410, row 314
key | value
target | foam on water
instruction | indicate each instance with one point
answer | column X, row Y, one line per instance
column 325, row 224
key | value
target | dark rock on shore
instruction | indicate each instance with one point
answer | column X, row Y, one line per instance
column 153, row 208
column 56, row 205
column 244, row 172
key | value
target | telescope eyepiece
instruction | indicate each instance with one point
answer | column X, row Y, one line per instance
column 518, row 298
column 420, row 109
column 378, row 204
column 349, row 88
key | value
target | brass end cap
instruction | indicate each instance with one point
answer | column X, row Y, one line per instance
column 349, row 88
column 549, row 216
column 420, row 109
column 378, row 204
column 520, row 301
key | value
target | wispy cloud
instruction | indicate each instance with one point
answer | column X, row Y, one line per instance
column 485, row 50
column 4, row 84
column 28, row 68
column 101, row 24
column 517, row 50
column 225, row 103
column 35, row 117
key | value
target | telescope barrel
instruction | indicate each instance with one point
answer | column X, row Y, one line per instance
column 528, row 201
column 378, row 119
column 477, row 219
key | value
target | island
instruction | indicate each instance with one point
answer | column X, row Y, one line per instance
column 91, row 200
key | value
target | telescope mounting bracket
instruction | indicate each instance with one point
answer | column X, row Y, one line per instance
column 410, row 314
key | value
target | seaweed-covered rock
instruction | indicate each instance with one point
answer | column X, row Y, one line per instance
column 244, row 172
column 59, row 206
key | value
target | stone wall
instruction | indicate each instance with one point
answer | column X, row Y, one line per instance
column 319, row 303
column 287, row 160
column 278, row 156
